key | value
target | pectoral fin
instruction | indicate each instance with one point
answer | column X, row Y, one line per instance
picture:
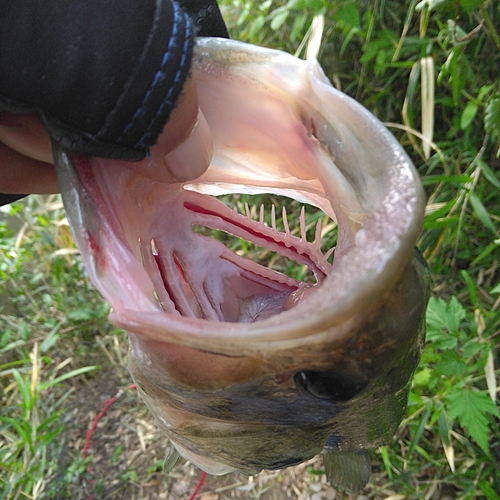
column 349, row 470
column 171, row 459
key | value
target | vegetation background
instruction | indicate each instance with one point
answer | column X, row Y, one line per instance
column 430, row 71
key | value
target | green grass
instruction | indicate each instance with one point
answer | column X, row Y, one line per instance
column 54, row 327
column 51, row 315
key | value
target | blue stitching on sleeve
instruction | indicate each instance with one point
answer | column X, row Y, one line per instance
column 160, row 75
column 167, row 101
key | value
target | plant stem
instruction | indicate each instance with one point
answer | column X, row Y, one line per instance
column 489, row 24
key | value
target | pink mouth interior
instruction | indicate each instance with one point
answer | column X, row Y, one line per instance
column 198, row 276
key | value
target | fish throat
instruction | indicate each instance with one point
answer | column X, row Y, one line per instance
column 206, row 279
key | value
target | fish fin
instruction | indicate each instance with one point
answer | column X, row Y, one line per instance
column 171, row 459
column 349, row 470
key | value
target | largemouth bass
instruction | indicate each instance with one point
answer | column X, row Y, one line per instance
column 245, row 368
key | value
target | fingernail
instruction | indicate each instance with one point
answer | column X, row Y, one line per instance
column 191, row 158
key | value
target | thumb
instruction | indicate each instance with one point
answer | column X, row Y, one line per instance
column 184, row 148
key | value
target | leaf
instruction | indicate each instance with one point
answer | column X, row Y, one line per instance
column 472, row 410
column 408, row 105
column 418, row 434
column 450, row 364
column 422, row 377
column 257, row 25
column 488, row 491
column 50, row 339
column 298, row 26
column 49, row 421
column 444, row 432
column 87, row 313
column 433, row 4
column 23, row 429
column 316, row 34
column 296, row 4
column 24, row 390
column 70, row 374
column 470, row 5
column 278, row 19
column 468, row 114
column 316, row 5
column 443, row 319
column 348, row 14
column 481, row 212
column 386, row 461
column 448, row 221
column 427, row 96
column 264, row 6
column 48, row 437
column 492, row 118
column 471, row 348
column 489, row 174
column 470, row 286
column 458, row 69
column 446, row 179
column 490, row 248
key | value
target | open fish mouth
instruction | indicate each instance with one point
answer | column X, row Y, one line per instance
column 242, row 366
column 230, row 287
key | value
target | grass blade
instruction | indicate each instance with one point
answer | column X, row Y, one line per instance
column 73, row 373
column 427, row 91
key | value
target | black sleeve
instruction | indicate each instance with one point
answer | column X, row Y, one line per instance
column 103, row 75
column 207, row 17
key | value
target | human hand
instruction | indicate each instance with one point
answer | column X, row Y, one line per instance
column 183, row 151
column 26, row 163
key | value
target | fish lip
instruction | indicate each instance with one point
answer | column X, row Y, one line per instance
column 391, row 231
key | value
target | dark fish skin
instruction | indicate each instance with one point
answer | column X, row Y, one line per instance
column 329, row 369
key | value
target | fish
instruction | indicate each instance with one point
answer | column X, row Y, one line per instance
column 244, row 368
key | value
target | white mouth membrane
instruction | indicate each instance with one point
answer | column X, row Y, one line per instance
column 218, row 284
column 279, row 128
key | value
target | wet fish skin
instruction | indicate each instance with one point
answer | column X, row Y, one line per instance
column 333, row 372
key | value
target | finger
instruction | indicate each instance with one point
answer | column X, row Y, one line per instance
column 25, row 134
column 24, row 175
column 184, row 148
column 190, row 159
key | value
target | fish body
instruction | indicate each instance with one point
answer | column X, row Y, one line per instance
column 242, row 367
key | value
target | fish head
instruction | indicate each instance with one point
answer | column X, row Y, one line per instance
column 245, row 368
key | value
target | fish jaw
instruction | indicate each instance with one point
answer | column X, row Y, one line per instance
column 329, row 367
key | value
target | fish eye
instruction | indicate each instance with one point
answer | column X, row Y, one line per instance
column 330, row 385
